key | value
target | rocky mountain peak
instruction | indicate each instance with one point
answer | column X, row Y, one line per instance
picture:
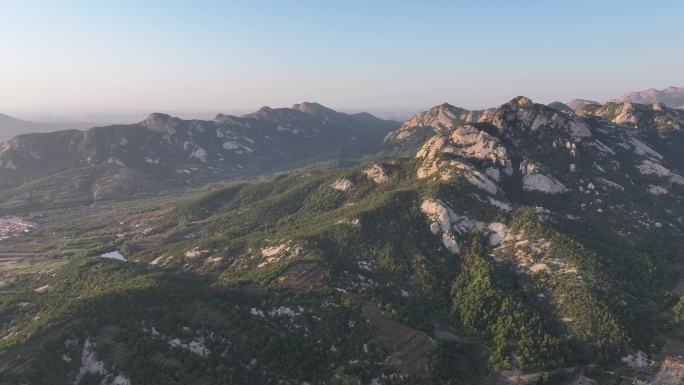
column 272, row 114
column 161, row 122
column 439, row 118
column 521, row 104
column 527, row 105
column 446, row 106
column 522, row 101
column 222, row 118
column 522, row 115
column 516, row 118
column 314, row 109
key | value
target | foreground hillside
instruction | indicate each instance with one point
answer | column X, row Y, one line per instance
column 520, row 244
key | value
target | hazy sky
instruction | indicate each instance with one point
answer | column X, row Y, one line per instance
column 227, row 55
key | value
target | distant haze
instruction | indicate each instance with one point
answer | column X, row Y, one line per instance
column 79, row 59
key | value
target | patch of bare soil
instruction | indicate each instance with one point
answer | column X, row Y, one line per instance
column 410, row 347
column 302, row 276
column 671, row 372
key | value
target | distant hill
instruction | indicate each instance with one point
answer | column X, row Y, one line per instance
column 672, row 97
column 576, row 104
column 654, row 117
column 122, row 159
column 10, row 126
column 560, row 106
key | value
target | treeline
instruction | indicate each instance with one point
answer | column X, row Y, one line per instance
column 314, row 337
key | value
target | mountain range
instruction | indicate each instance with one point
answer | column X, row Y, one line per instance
column 671, row 97
column 523, row 243
column 167, row 151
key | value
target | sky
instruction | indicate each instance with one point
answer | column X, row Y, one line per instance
column 232, row 55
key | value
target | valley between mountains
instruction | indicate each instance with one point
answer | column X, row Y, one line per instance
column 521, row 244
